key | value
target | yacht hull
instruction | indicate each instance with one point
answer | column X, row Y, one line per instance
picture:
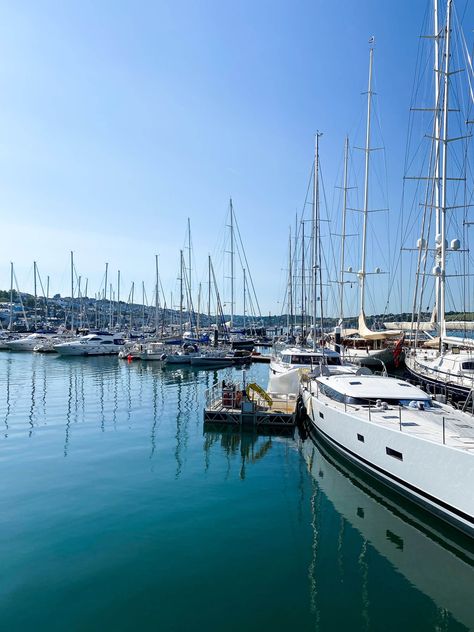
column 417, row 476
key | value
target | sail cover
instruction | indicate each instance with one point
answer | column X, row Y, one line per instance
column 368, row 334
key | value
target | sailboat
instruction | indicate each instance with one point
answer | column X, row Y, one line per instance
column 290, row 362
column 398, row 434
column 447, row 368
column 365, row 346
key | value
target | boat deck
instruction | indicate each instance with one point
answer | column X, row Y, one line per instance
column 439, row 424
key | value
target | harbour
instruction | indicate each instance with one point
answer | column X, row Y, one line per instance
column 114, row 492
column 237, row 376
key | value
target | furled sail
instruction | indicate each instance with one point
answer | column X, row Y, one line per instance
column 368, row 334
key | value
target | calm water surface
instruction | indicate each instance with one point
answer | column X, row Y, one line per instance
column 118, row 512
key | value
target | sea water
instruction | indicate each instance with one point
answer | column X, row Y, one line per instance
column 119, row 511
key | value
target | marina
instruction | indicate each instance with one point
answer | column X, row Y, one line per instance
column 124, row 491
column 236, row 377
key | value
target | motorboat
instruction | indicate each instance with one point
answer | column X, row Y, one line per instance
column 183, row 355
column 154, row 351
column 28, row 343
column 99, row 343
column 288, row 365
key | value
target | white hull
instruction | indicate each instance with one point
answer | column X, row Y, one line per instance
column 82, row 351
column 27, row 344
column 369, row 357
column 443, row 490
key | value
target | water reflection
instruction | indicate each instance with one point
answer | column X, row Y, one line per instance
column 249, row 445
column 434, row 559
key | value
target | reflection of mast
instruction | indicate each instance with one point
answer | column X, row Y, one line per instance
column 364, row 567
column 7, row 413
column 68, row 414
column 314, row 504
column 33, row 390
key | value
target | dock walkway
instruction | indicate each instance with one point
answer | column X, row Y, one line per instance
column 230, row 404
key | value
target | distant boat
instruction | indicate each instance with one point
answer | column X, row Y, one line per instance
column 101, row 343
column 28, row 343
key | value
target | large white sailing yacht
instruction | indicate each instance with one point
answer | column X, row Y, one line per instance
column 393, row 430
column 445, row 369
column 289, row 362
column 422, row 448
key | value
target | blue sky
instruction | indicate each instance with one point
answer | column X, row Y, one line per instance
column 119, row 120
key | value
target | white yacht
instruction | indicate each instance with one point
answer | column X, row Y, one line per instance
column 100, row 343
column 154, row 351
column 288, row 365
column 422, row 448
column 28, row 343
column 183, row 355
column 449, row 372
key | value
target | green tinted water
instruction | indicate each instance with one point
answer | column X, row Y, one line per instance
column 118, row 512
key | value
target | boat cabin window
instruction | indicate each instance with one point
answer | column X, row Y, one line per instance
column 106, row 342
column 313, row 359
column 468, row 366
column 95, row 338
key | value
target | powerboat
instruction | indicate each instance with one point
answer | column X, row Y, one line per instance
column 289, row 364
column 28, row 343
column 100, row 343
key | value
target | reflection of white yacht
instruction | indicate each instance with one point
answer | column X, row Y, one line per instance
column 393, row 430
column 287, row 366
column 436, row 563
column 100, row 343
column 28, row 343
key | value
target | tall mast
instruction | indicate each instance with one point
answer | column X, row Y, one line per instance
column 445, row 140
column 47, row 297
column 36, row 296
column 303, row 316
column 189, row 255
column 315, row 235
column 290, row 285
column 105, row 292
column 118, row 297
column 157, row 294
column 198, row 318
column 181, row 295
column 79, row 301
column 231, row 264
column 72, row 290
column 245, row 291
column 362, row 272
column 111, row 307
column 132, row 292
column 209, row 293
column 437, row 79
column 343, row 234
column 10, row 325
column 143, row 303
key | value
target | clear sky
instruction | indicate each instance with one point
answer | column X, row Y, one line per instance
column 119, row 120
